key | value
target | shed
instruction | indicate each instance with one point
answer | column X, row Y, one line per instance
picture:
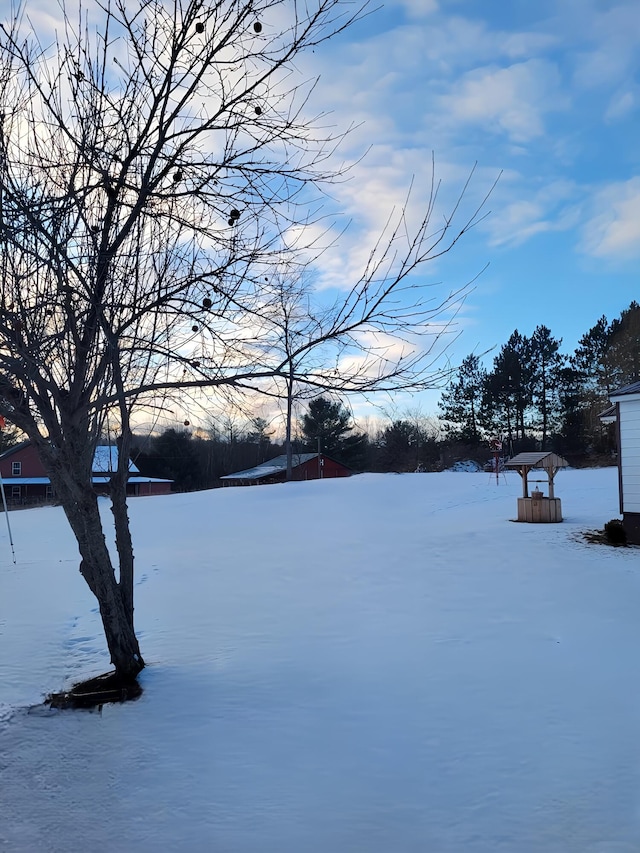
column 537, row 507
column 306, row 466
column 627, row 416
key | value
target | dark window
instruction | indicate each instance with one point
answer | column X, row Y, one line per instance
column 16, row 469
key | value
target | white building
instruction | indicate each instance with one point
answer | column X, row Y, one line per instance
column 627, row 414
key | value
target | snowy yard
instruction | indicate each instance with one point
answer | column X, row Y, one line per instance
column 384, row 664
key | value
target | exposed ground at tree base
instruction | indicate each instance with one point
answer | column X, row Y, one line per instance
column 96, row 691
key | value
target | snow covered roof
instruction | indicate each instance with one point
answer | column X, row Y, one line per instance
column 26, row 481
column 135, row 479
column 101, row 479
column 273, row 466
column 105, row 459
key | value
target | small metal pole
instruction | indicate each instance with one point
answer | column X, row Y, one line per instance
column 6, row 512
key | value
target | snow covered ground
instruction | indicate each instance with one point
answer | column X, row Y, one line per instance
column 384, row 664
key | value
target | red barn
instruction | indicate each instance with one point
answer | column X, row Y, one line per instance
column 26, row 482
column 306, row 466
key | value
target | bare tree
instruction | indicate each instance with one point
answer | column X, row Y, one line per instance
column 152, row 163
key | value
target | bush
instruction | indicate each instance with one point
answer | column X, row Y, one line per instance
column 615, row 532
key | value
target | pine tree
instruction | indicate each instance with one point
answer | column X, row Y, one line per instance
column 331, row 424
column 461, row 403
column 592, row 358
column 406, row 445
column 508, row 387
column 545, row 363
column 624, row 346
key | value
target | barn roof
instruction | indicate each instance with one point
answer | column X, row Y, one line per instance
column 539, row 459
column 272, row 466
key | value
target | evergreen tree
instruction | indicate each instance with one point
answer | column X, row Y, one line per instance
column 260, row 435
column 331, row 423
column 461, row 403
column 545, row 363
column 405, row 445
column 581, row 431
column 624, row 346
column 593, row 380
column 507, row 390
column 592, row 358
column 174, row 456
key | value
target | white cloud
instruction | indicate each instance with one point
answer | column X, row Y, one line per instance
column 419, row 8
column 621, row 104
column 521, row 211
column 613, row 231
column 608, row 41
column 511, row 100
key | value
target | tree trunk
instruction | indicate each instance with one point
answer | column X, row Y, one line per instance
column 287, row 440
column 97, row 569
column 124, row 543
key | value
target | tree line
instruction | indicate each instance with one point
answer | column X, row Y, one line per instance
column 198, row 460
column 538, row 397
column 534, row 396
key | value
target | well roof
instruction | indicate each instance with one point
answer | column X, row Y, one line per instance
column 539, row 459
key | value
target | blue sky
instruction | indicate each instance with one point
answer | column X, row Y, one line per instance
column 546, row 93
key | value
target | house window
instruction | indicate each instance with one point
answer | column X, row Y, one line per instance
column 16, row 492
column 49, row 492
column 16, row 469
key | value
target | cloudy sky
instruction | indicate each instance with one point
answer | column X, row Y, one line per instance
column 542, row 94
column 545, row 94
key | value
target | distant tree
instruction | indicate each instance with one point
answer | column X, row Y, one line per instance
column 407, row 445
column 329, row 426
column 592, row 358
column 607, row 357
column 624, row 346
column 461, row 402
column 177, row 450
column 174, row 455
column 259, row 434
column 545, row 363
column 508, row 388
column 572, row 436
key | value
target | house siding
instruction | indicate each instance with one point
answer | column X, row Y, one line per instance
column 29, row 463
column 630, row 454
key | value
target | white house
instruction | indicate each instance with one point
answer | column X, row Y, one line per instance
column 627, row 414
